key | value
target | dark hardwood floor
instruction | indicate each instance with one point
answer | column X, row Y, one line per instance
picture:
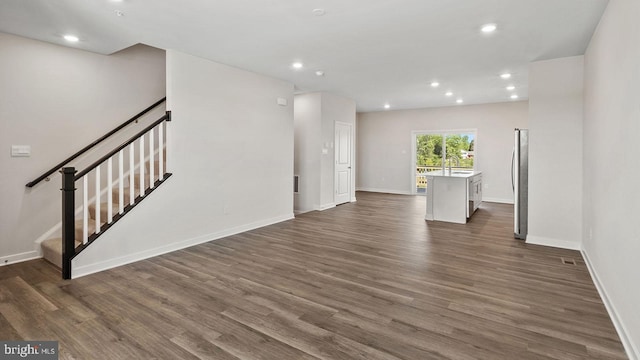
column 369, row 280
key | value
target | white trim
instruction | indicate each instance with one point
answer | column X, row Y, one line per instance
column 558, row 243
column 142, row 255
column 325, row 207
column 632, row 350
column 447, row 131
column 414, row 149
column 386, row 191
column 320, row 208
column 497, row 200
column 17, row 258
column 353, row 199
column 335, row 158
column 414, row 165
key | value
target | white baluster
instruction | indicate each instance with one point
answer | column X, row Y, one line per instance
column 132, row 170
column 85, row 209
column 97, row 199
column 151, row 159
column 141, row 173
column 121, row 181
column 161, row 151
column 110, row 190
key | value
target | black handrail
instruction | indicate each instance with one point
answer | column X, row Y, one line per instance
column 86, row 148
column 135, row 137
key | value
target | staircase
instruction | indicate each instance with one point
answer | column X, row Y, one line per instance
column 52, row 248
column 108, row 189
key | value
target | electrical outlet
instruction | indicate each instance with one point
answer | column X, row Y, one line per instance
column 590, row 233
column 486, row 186
column 225, row 210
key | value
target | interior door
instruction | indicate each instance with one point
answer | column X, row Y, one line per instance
column 343, row 163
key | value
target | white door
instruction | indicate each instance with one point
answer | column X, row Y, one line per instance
column 343, row 163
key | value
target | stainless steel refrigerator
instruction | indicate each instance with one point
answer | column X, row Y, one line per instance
column 520, row 182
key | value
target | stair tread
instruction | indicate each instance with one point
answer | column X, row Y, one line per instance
column 147, row 178
column 57, row 243
column 91, row 224
column 115, row 208
column 104, row 204
column 156, row 166
column 52, row 250
column 125, row 190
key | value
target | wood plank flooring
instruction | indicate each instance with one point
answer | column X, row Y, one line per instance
column 368, row 280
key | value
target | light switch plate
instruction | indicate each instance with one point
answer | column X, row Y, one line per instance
column 20, row 150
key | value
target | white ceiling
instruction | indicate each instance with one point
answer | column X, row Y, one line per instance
column 373, row 51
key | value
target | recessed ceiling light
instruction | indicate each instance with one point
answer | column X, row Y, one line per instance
column 511, row 87
column 459, row 101
column 319, row 12
column 506, row 76
column 116, row 0
column 435, row 84
column 489, row 28
column 297, row 65
column 514, row 96
column 448, row 93
column 71, row 38
column 387, row 106
column 319, row 73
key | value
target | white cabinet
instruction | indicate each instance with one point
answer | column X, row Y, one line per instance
column 449, row 199
column 475, row 194
column 453, row 197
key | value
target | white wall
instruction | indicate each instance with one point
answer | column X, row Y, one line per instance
column 58, row 100
column 384, row 148
column 231, row 153
column 611, row 171
column 315, row 118
column 308, row 145
column 555, row 152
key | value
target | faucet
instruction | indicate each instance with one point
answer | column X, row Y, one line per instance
column 457, row 162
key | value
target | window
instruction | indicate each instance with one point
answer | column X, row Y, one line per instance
column 436, row 151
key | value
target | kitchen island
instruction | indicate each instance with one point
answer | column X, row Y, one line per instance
column 453, row 196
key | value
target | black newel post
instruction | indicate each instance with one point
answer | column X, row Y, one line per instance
column 68, row 219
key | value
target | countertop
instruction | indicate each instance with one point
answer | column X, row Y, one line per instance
column 453, row 174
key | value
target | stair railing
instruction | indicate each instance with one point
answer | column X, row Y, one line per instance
column 153, row 132
column 59, row 166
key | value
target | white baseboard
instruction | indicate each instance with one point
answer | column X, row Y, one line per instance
column 353, row 199
column 386, row 191
column 558, row 243
column 325, row 207
column 16, row 258
column 109, row 264
column 632, row 350
column 497, row 200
